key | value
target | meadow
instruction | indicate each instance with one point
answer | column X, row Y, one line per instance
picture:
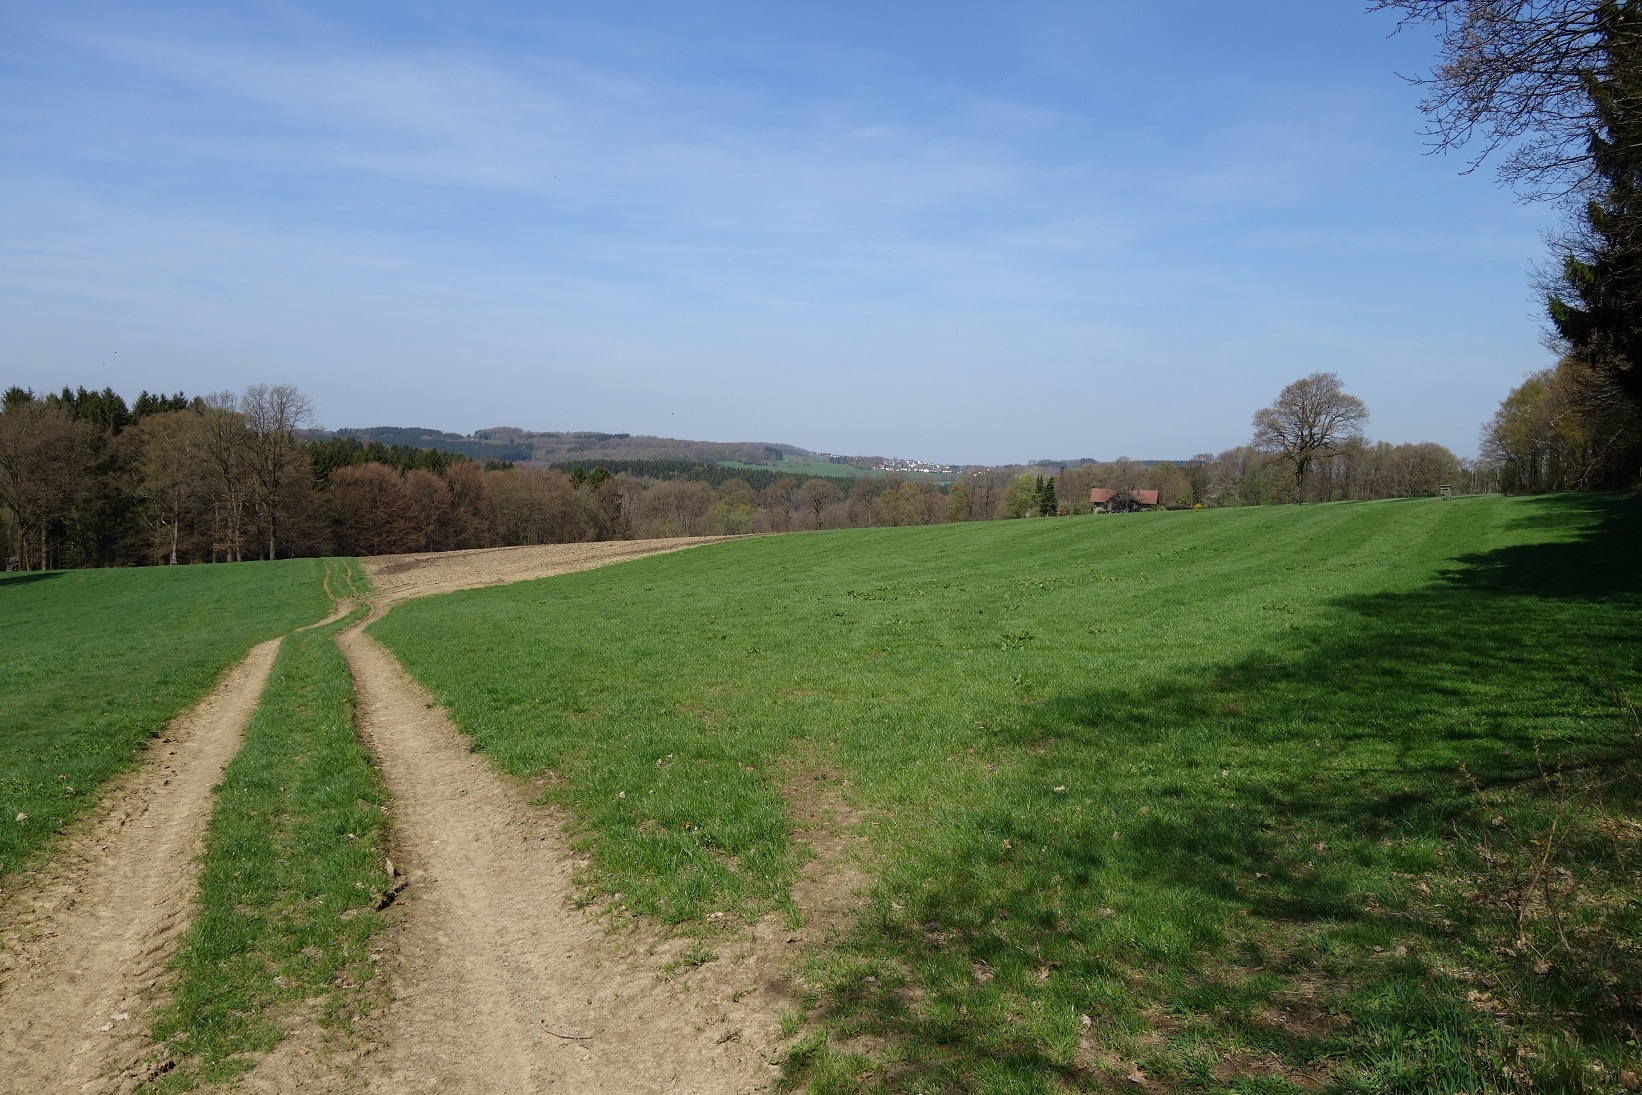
column 1226, row 800
column 95, row 662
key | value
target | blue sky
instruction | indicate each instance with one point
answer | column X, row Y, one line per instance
column 963, row 232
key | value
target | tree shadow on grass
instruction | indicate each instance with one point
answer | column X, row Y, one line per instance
column 23, row 578
column 1510, row 650
column 1601, row 564
column 1266, row 804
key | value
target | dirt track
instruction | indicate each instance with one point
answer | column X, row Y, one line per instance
column 89, row 934
column 498, row 983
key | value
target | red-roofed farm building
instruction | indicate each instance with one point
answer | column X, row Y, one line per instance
column 1106, row 500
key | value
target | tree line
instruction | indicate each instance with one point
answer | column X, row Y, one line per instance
column 87, row 480
column 715, row 474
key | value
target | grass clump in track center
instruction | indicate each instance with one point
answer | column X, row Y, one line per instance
column 95, row 662
column 1186, row 799
column 345, row 579
column 294, row 868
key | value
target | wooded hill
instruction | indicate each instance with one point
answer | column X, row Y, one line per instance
column 515, row 445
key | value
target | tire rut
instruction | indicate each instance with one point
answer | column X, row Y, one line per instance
column 87, row 936
column 500, row 984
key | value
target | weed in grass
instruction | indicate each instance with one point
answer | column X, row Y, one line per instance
column 94, row 662
column 789, row 1023
column 295, row 865
column 1259, row 718
column 698, row 954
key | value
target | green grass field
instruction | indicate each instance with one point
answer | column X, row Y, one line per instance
column 1178, row 792
column 293, row 869
column 94, row 662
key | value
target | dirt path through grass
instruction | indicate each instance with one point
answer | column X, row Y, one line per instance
column 500, row 984
column 88, row 935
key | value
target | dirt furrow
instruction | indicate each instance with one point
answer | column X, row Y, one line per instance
column 85, row 939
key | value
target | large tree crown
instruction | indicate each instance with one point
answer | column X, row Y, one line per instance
column 1312, row 417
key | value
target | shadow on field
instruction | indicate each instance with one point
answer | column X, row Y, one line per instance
column 1502, row 653
column 1294, row 788
column 1602, row 564
column 23, row 578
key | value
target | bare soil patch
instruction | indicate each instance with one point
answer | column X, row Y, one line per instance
column 833, row 883
column 85, row 938
column 396, row 578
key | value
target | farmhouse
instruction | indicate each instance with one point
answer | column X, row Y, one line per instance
column 1122, row 501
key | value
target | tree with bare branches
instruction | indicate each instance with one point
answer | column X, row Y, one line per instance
column 1557, row 86
column 1312, row 418
column 273, row 414
column 167, row 476
column 1516, row 75
column 224, row 449
column 41, row 459
column 816, row 495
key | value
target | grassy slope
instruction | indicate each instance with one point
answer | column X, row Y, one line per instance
column 294, row 864
column 1256, row 716
column 93, row 662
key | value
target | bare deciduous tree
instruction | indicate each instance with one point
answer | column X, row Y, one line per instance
column 225, row 448
column 1516, row 74
column 40, row 462
column 431, row 498
column 167, row 475
column 1564, row 428
column 816, row 495
column 1559, row 84
column 782, row 500
column 1312, row 418
column 470, row 506
column 374, row 512
column 681, row 506
column 273, row 414
column 534, row 506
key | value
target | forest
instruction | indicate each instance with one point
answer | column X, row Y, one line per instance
column 88, row 480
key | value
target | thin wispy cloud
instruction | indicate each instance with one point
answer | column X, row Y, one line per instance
column 769, row 205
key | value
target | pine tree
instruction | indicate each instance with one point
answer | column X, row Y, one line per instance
column 1047, row 505
column 1597, row 307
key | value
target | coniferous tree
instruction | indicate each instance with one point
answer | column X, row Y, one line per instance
column 1047, row 505
column 1597, row 305
column 158, row 403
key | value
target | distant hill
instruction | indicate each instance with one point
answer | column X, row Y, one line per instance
column 559, row 447
column 755, row 476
